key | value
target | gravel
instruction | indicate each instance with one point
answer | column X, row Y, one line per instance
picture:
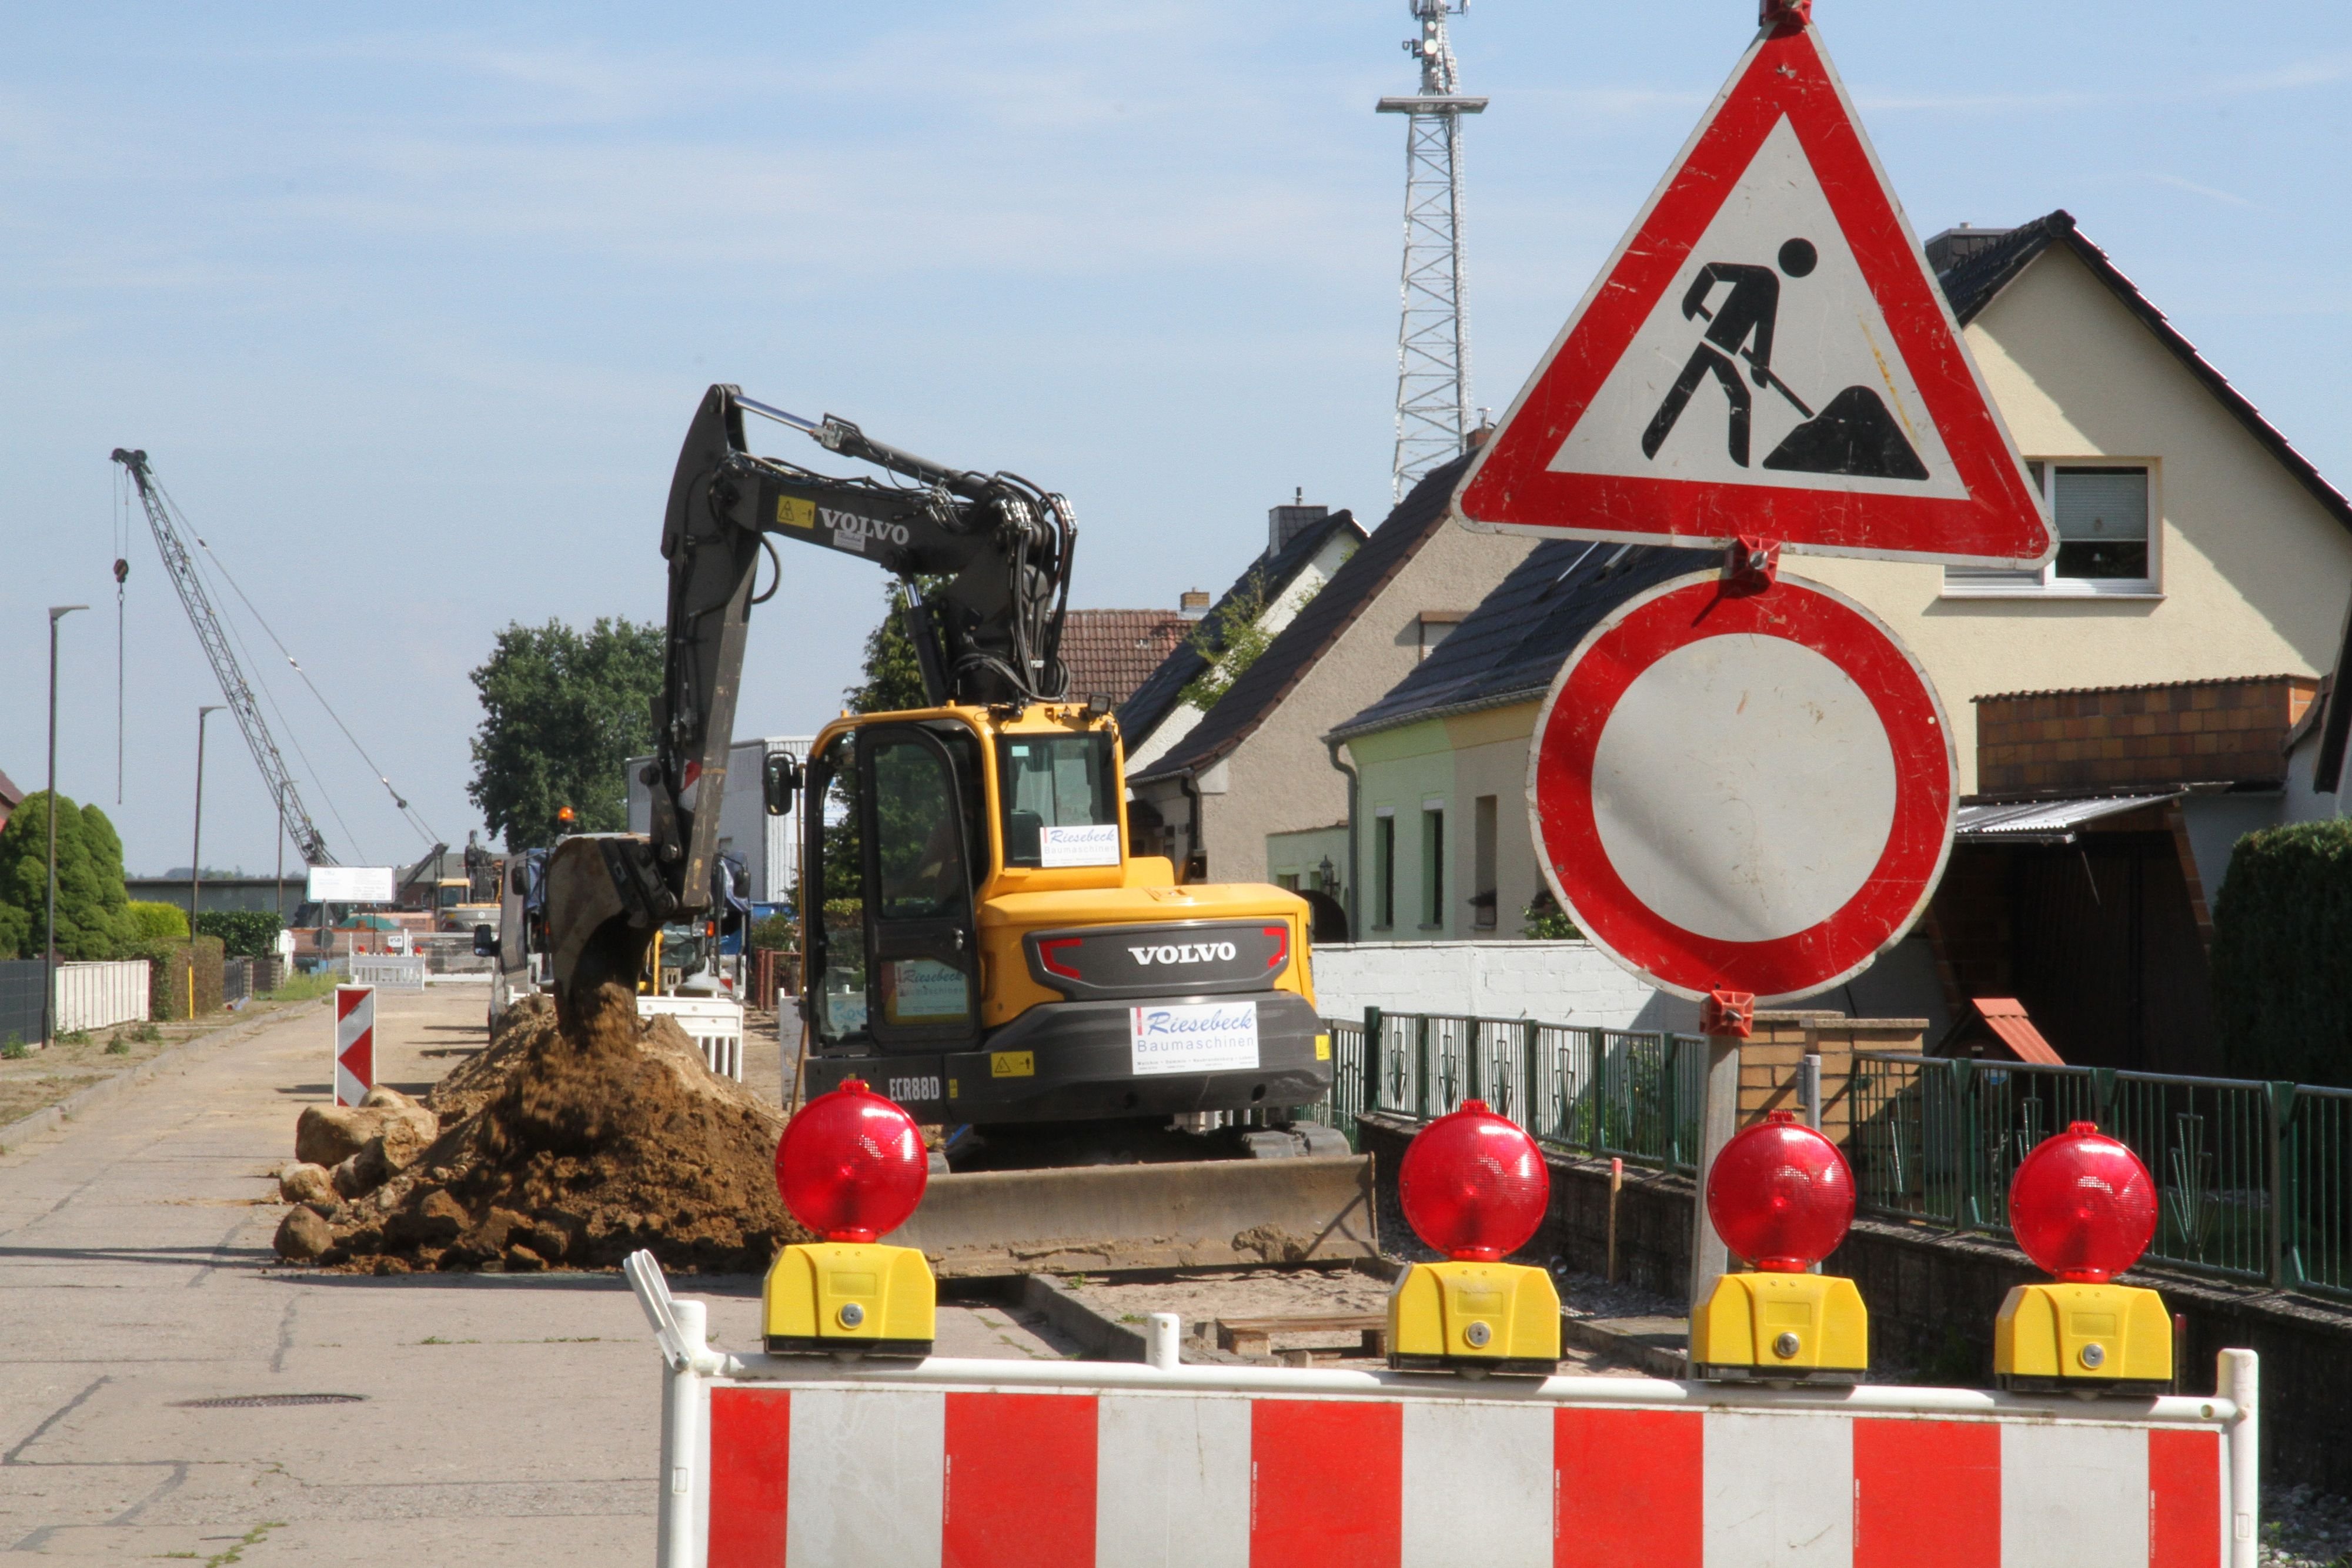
column 2303, row 1528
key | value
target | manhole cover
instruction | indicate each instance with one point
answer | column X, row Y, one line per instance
column 266, row 1401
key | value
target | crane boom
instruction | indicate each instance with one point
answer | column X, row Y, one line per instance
column 235, row 689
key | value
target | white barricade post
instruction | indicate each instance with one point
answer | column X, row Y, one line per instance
column 799, row 1459
column 388, row 971
column 354, row 1043
column 713, row 1023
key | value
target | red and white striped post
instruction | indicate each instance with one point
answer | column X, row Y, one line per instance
column 354, row 1043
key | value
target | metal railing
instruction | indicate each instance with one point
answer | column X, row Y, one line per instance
column 1635, row 1094
column 2252, row 1178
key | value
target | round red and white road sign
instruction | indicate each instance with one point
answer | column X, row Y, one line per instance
column 1742, row 793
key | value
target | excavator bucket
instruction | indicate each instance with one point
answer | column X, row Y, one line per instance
column 1102, row 1219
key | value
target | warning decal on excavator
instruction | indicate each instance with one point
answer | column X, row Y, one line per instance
column 1013, row 1064
column 1767, row 355
column 793, row 512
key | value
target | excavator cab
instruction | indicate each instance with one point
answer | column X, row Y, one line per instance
column 976, row 924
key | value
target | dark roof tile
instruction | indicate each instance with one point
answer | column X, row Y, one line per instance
column 1158, row 693
column 1511, row 646
column 1261, row 688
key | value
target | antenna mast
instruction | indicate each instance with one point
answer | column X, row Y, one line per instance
column 1432, row 408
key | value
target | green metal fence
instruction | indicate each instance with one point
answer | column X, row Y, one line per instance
column 1631, row 1093
column 2252, row 1176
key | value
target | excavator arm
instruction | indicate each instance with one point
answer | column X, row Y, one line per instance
column 984, row 564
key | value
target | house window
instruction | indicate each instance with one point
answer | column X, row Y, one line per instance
column 2106, row 517
column 1482, row 863
column 1433, row 866
column 1436, row 626
column 1286, row 880
column 1384, row 868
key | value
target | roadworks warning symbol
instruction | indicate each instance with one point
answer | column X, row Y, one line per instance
column 1766, row 355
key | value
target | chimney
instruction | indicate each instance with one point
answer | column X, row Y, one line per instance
column 1284, row 524
column 1194, row 604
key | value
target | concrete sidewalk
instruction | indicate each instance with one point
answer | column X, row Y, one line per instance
column 491, row 1419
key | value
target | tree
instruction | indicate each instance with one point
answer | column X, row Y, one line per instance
column 562, row 714
column 93, row 921
column 1229, row 638
column 893, row 680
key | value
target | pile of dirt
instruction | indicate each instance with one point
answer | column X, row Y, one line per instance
column 560, row 1147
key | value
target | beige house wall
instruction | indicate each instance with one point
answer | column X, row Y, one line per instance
column 1280, row 778
column 2253, row 571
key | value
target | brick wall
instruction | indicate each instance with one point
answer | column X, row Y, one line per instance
column 2126, row 737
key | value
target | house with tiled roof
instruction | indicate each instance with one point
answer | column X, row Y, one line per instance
column 11, row 797
column 2200, row 589
column 1305, row 546
column 1255, row 766
column 1109, row 653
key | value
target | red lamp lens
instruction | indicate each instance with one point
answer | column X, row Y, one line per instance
column 1780, row 1196
column 2083, row 1206
column 1474, row 1185
column 851, row 1166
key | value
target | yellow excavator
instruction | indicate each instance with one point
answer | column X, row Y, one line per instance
column 1114, row 1053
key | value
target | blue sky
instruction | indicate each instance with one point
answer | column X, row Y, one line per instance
column 410, row 306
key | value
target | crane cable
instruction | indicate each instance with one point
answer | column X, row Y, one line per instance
column 416, row 822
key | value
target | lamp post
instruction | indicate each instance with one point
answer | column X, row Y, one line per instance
column 49, row 963
column 196, row 851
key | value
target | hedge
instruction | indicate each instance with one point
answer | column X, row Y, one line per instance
column 168, row 974
column 243, row 933
column 152, row 921
column 2283, row 955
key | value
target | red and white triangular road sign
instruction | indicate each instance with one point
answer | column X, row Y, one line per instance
column 1766, row 355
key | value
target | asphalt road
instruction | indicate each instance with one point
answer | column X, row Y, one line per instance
column 491, row 1419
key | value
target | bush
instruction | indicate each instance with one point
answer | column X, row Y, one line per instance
column 2282, row 928
column 152, row 921
column 1547, row 921
column 243, row 933
column 779, row 932
column 92, row 923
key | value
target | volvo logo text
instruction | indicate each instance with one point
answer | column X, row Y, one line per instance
column 1188, row 952
column 855, row 527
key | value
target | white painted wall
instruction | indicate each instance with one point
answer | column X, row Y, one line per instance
column 1576, row 983
column 92, row 996
column 1557, row 982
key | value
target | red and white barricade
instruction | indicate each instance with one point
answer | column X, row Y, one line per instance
column 354, row 1068
column 970, row 1464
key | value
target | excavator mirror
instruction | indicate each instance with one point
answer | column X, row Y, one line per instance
column 485, row 942
column 779, row 781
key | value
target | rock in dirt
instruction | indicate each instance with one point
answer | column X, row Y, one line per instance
column 302, row 1236
column 571, row 1146
column 300, row 1182
column 329, row 1134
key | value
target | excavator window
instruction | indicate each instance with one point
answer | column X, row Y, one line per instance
column 1058, row 809
column 897, row 857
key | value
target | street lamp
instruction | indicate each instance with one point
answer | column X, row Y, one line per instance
column 49, row 963
column 196, row 851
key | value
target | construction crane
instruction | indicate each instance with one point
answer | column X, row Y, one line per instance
column 235, row 689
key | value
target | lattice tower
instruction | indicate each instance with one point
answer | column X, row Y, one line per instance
column 1433, row 406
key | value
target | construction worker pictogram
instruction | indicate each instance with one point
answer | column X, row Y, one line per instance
column 1766, row 354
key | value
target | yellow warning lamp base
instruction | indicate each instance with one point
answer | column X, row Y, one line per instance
column 2063, row 1338
column 834, row 1298
column 1766, row 1327
column 1474, row 1319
